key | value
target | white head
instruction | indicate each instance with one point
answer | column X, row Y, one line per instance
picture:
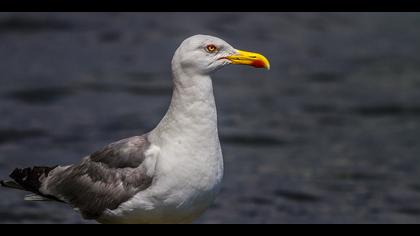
column 203, row 54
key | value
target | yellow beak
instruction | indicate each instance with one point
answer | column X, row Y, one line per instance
column 249, row 58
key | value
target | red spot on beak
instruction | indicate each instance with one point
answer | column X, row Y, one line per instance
column 258, row 64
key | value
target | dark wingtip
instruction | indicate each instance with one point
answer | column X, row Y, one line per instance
column 19, row 175
column 16, row 173
column 29, row 178
column 13, row 175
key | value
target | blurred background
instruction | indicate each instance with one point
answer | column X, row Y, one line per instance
column 329, row 135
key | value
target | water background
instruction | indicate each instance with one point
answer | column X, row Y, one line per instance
column 329, row 135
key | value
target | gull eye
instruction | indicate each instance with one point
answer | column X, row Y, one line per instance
column 211, row 48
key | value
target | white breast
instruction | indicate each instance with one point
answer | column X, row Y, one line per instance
column 180, row 193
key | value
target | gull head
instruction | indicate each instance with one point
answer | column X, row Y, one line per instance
column 204, row 54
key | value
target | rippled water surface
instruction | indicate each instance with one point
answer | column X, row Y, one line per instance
column 329, row 135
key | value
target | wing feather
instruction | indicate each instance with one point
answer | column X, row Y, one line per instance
column 104, row 179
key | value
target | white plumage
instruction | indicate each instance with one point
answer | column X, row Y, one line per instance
column 169, row 175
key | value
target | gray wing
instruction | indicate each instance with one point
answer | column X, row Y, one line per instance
column 102, row 180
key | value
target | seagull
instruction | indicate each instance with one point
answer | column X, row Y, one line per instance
column 169, row 175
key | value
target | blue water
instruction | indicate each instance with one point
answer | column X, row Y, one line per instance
column 329, row 135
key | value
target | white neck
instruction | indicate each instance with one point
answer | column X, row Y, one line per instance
column 192, row 112
column 188, row 141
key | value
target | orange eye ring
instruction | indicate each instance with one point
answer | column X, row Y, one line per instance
column 211, row 48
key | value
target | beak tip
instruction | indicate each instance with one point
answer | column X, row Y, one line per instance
column 265, row 65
